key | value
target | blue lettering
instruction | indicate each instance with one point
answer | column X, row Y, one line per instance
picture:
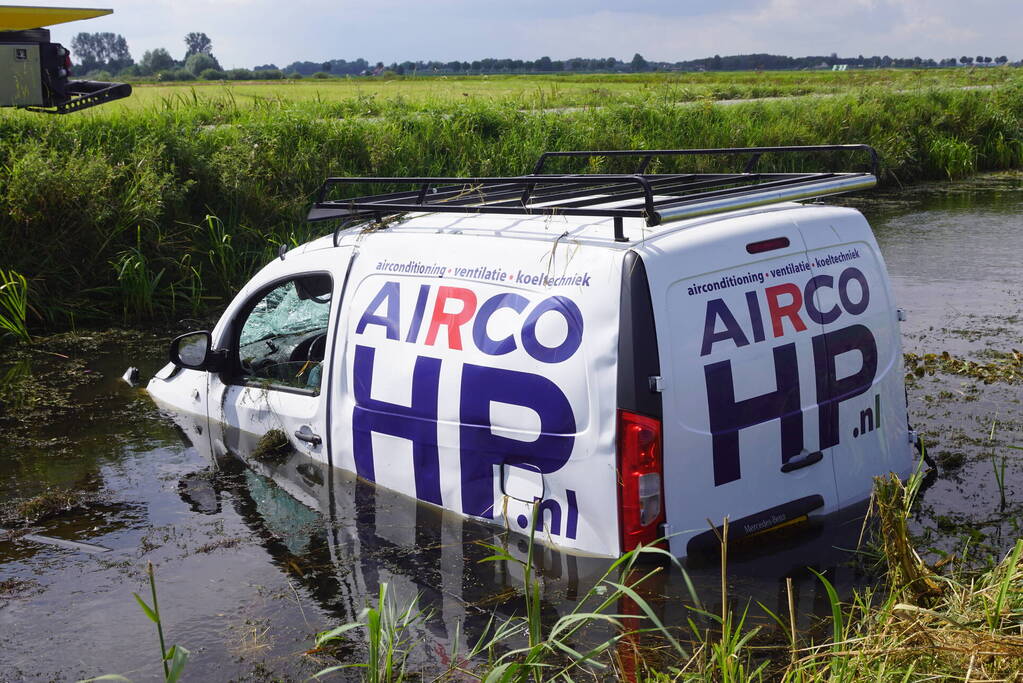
column 728, row 416
column 716, row 308
column 391, row 292
column 554, row 508
column 816, row 315
column 574, row 319
column 843, row 291
column 496, row 347
column 755, row 318
column 832, row 391
column 481, row 449
column 417, row 423
column 417, row 315
column 573, row 515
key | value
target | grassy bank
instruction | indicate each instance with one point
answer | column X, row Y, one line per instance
column 163, row 213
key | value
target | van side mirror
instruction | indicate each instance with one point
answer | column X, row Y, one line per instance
column 193, row 351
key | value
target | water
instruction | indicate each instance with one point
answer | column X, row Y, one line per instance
column 252, row 562
column 954, row 255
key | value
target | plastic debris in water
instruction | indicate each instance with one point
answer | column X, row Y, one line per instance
column 131, row 376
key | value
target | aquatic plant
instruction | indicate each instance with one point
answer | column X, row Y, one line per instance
column 140, row 286
column 389, row 636
column 174, row 658
column 14, row 304
column 998, row 465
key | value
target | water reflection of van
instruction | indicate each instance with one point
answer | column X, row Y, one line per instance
column 338, row 538
column 619, row 356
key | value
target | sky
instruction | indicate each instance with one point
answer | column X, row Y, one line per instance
column 250, row 32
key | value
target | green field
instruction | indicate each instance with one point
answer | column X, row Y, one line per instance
column 165, row 204
column 371, row 95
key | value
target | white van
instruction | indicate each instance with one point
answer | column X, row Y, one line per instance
column 620, row 357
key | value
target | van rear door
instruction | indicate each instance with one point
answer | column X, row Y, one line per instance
column 859, row 360
column 737, row 349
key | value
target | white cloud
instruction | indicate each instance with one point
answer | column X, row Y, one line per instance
column 249, row 32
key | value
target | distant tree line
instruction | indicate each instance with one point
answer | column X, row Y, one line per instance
column 100, row 55
column 105, row 55
column 637, row 64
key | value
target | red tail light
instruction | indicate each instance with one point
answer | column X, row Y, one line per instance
column 640, row 487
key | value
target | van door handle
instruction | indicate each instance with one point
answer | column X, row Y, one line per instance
column 805, row 461
column 306, row 434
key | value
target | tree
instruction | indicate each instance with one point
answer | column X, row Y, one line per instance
column 101, row 51
column 966, row 60
column 199, row 62
column 155, row 60
column 638, row 63
column 196, row 43
column 1001, row 60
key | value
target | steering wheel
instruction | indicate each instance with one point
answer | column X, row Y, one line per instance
column 309, row 350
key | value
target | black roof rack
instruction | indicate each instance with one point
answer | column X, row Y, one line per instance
column 656, row 198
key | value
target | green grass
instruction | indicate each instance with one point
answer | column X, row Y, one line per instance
column 155, row 213
column 373, row 95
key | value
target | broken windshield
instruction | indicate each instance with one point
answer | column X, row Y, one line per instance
column 282, row 312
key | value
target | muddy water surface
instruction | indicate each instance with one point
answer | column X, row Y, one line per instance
column 252, row 561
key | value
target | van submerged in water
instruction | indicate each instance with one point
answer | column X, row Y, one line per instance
column 610, row 359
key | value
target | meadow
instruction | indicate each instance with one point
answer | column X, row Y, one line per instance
column 531, row 92
column 164, row 205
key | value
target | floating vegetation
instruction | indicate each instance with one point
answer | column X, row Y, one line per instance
column 14, row 588
column 51, row 380
column 273, row 446
column 218, row 545
column 1002, row 366
column 52, row 503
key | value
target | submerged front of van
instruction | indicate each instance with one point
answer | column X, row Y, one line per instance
column 781, row 368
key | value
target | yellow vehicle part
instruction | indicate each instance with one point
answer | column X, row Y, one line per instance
column 22, row 18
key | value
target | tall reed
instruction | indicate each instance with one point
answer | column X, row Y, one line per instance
column 14, row 304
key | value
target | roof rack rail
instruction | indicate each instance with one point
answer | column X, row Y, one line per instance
column 656, row 198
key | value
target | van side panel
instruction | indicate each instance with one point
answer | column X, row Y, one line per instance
column 860, row 377
column 459, row 375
